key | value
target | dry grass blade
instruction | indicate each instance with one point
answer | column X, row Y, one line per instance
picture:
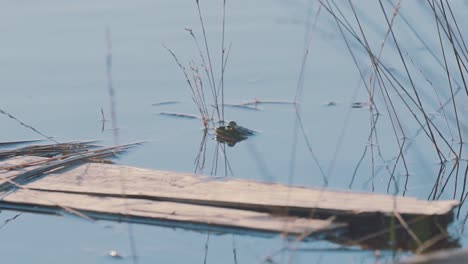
column 196, row 88
column 35, row 130
column 77, row 158
column 48, row 150
column 19, row 142
column 110, row 87
column 195, row 79
column 404, row 95
column 405, row 225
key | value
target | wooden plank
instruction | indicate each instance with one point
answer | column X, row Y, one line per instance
column 138, row 209
column 98, row 189
column 108, row 179
column 459, row 256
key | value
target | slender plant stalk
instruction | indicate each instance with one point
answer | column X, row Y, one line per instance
column 115, row 132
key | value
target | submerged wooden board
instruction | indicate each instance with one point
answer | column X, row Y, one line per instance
column 114, row 180
column 102, row 207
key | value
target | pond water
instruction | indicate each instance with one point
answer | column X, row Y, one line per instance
column 53, row 77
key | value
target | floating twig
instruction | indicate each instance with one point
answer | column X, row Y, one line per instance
column 179, row 115
column 165, row 103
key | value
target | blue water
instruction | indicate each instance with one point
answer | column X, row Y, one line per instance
column 53, row 77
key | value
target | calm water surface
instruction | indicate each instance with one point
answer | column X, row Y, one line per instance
column 52, row 76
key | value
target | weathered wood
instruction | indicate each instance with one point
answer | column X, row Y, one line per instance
column 459, row 256
column 105, row 179
column 140, row 209
column 97, row 189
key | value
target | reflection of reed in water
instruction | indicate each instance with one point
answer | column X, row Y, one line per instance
column 200, row 159
column 219, row 151
column 228, row 135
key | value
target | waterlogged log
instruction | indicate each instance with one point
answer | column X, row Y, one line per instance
column 147, row 211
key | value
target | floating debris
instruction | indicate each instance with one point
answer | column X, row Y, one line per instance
column 359, row 104
column 56, row 161
column 165, row 103
column 103, row 116
column 244, row 106
column 330, row 103
column 257, row 102
column 232, row 133
column 115, row 254
column 103, row 120
column 9, row 220
column 179, row 115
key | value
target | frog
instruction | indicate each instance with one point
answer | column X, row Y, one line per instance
column 232, row 133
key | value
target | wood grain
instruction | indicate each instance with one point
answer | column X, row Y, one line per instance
column 156, row 210
column 106, row 179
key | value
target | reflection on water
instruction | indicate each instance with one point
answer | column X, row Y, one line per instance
column 383, row 137
column 219, row 157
